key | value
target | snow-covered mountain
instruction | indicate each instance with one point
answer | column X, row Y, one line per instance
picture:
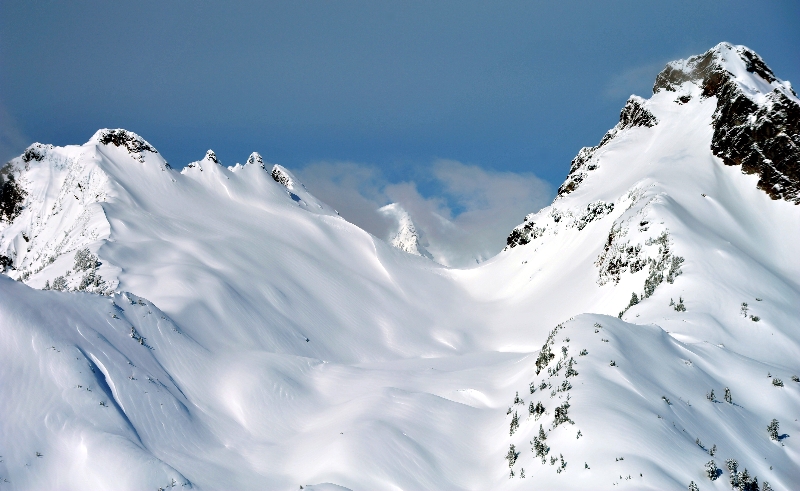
column 221, row 328
column 406, row 238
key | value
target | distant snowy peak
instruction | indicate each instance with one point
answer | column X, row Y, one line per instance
column 406, row 238
column 255, row 159
column 210, row 159
column 211, row 156
column 757, row 120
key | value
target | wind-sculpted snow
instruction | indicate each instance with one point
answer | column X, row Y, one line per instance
column 222, row 328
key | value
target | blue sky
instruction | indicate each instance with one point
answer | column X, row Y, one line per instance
column 509, row 88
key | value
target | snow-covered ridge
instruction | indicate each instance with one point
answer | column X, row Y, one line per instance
column 642, row 331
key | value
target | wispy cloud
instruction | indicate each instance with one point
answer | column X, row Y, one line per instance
column 12, row 140
column 466, row 222
column 635, row 80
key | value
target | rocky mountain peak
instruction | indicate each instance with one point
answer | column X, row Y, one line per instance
column 255, row 158
column 756, row 122
column 211, row 156
column 712, row 69
column 135, row 144
column 757, row 119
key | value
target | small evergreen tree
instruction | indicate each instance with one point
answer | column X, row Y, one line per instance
column 536, row 410
column 712, row 471
column 540, row 448
column 773, row 429
column 512, row 455
column 514, row 423
column 59, row 283
column 733, row 469
column 561, row 415
column 728, row 397
column 693, row 486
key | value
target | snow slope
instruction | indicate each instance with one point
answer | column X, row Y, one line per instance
column 227, row 330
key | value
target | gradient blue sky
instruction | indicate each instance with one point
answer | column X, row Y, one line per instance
column 508, row 87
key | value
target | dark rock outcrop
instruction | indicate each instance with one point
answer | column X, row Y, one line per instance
column 11, row 195
column 123, row 138
column 281, row 177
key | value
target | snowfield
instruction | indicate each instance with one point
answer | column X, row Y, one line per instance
column 221, row 328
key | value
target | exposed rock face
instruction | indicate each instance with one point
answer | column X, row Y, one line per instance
column 11, row 195
column 255, row 158
column 633, row 114
column 211, row 156
column 761, row 131
column 763, row 140
column 123, row 138
column 282, row 177
column 35, row 152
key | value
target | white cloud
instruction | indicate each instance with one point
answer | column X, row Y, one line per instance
column 467, row 222
column 12, row 141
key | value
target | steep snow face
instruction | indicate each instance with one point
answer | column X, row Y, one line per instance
column 242, row 335
column 406, row 238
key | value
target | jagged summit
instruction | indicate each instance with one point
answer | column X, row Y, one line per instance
column 255, row 159
column 757, row 119
column 211, row 156
column 756, row 122
column 406, row 238
column 135, row 144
